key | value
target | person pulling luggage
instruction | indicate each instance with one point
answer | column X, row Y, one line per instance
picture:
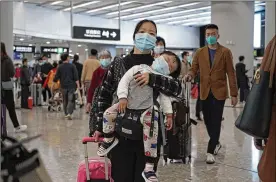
column 137, row 102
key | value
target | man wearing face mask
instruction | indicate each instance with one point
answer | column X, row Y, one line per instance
column 45, row 69
column 214, row 62
column 160, row 46
column 185, row 63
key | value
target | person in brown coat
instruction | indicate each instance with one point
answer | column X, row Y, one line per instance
column 267, row 165
column 214, row 62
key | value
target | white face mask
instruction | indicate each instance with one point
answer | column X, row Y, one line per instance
column 159, row 49
column 160, row 65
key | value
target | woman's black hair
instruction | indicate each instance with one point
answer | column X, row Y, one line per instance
column 60, row 62
column 3, row 49
column 64, row 57
column 138, row 26
column 55, row 64
column 160, row 39
column 177, row 72
column 76, row 58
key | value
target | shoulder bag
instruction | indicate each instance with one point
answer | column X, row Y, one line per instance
column 7, row 85
column 256, row 116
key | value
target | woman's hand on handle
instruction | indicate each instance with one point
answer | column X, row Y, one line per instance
column 187, row 78
column 97, row 135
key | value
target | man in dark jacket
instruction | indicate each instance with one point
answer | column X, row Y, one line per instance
column 241, row 78
column 45, row 69
column 25, row 83
column 68, row 75
column 79, row 67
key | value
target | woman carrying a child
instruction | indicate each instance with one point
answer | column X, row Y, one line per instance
column 150, row 77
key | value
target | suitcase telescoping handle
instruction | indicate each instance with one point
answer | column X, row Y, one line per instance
column 86, row 140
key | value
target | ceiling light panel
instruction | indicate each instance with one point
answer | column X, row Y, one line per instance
column 189, row 20
column 175, row 13
column 140, row 7
column 109, row 7
column 182, row 17
column 56, row 2
column 81, row 5
column 197, row 23
column 155, row 11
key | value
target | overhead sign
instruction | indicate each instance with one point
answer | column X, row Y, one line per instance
column 23, row 49
column 17, row 55
column 54, row 50
column 96, row 33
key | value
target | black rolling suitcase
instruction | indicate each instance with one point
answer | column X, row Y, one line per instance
column 178, row 140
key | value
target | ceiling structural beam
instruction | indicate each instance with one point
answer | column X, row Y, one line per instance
column 81, row 5
column 139, row 7
column 172, row 14
column 183, row 17
column 156, row 11
column 109, row 7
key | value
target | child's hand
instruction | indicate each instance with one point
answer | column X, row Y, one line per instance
column 169, row 121
column 122, row 105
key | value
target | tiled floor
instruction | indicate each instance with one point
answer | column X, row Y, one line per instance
column 61, row 149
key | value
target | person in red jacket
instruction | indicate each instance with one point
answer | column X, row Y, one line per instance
column 98, row 74
column 49, row 77
column 17, row 75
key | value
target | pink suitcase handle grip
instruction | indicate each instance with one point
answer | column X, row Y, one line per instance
column 86, row 140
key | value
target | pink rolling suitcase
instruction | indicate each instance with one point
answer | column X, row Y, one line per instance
column 93, row 169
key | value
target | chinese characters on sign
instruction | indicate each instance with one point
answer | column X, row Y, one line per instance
column 54, row 50
column 96, row 33
column 92, row 33
column 24, row 49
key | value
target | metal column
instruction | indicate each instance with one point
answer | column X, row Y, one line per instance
column 71, row 18
column 119, row 14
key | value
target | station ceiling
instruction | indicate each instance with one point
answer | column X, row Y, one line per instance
column 186, row 13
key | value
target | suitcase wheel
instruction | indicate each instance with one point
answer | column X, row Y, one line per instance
column 59, row 108
column 184, row 160
column 49, row 108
